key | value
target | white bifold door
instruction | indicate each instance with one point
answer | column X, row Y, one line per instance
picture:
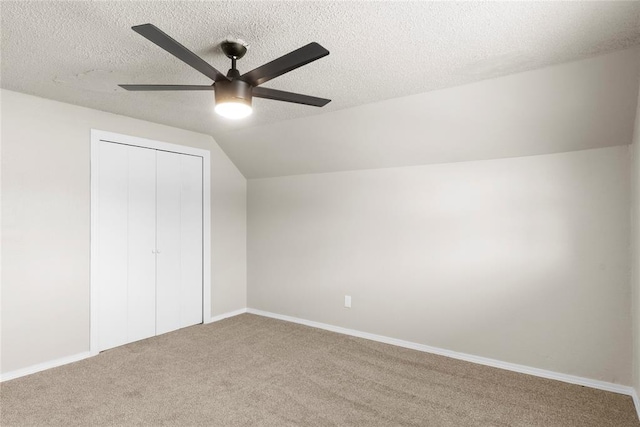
column 150, row 242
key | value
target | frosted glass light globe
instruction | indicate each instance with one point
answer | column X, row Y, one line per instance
column 233, row 110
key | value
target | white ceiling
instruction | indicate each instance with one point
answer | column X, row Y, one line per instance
column 78, row 52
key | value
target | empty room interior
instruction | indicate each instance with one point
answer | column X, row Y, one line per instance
column 320, row 213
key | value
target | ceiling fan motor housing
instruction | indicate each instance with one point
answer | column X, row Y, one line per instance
column 232, row 91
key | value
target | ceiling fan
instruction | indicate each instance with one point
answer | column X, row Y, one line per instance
column 234, row 91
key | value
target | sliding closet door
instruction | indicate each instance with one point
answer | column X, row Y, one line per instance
column 126, row 238
column 179, row 241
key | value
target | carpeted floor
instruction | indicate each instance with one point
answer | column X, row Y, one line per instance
column 251, row 370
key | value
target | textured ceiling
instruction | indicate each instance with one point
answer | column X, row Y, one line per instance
column 78, row 52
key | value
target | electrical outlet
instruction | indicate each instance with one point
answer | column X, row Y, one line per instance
column 347, row 301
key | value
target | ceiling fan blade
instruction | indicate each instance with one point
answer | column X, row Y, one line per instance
column 167, row 87
column 284, row 64
column 157, row 36
column 279, row 95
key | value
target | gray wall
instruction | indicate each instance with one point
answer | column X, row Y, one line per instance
column 635, row 249
column 523, row 260
column 45, row 224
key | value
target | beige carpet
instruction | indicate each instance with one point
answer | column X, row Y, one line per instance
column 250, row 370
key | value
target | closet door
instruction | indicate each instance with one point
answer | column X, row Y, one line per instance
column 179, row 241
column 141, row 304
column 191, row 244
column 126, row 238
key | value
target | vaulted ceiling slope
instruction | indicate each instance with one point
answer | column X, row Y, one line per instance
column 573, row 106
column 78, row 52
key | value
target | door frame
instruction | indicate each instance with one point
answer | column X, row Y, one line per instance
column 98, row 136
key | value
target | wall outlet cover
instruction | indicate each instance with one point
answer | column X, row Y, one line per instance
column 347, row 301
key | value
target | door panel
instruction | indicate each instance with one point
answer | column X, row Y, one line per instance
column 191, row 240
column 141, row 308
column 168, row 237
column 112, row 245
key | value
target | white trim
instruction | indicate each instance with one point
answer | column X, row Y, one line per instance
column 101, row 135
column 572, row 379
column 81, row 356
column 206, row 231
column 226, row 315
column 44, row 366
column 636, row 401
column 96, row 137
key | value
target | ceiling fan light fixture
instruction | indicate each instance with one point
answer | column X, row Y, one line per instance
column 233, row 92
column 233, row 110
column 233, row 99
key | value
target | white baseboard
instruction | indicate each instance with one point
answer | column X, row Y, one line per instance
column 44, row 366
column 76, row 357
column 226, row 315
column 636, row 401
column 572, row 379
